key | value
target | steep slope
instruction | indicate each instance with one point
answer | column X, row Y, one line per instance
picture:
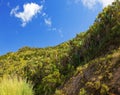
column 89, row 64
column 100, row 76
column 101, row 55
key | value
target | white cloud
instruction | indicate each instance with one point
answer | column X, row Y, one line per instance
column 29, row 11
column 13, row 11
column 44, row 14
column 60, row 32
column 91, row 3
column 48, row 21
column 77, row 1
column 105, row 2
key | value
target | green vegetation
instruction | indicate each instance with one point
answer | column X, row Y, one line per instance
column 82, row 92
column 89, row 64
column 15, row 86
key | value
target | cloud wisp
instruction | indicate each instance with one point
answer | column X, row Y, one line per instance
column 48, row 22
column 91, row 3
column 105, row 2
column 30, row 10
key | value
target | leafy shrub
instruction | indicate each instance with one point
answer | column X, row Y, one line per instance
column 104, row 89
column 82, row 92
column 58, row 92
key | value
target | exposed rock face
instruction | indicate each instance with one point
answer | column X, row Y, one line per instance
column 99, row 72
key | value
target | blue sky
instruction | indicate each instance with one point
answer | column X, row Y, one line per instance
column 42, row 23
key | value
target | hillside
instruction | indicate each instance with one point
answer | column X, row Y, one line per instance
column 89, row 64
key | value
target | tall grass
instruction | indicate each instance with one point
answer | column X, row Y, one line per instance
column 15, row 86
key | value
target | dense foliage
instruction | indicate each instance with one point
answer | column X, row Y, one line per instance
column 80, row 66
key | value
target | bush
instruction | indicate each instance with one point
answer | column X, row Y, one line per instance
column 104, row 89
column 58, row 92
column 82, row 92
column 15, row 86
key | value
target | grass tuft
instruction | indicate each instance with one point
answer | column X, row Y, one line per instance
column 15, row 86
